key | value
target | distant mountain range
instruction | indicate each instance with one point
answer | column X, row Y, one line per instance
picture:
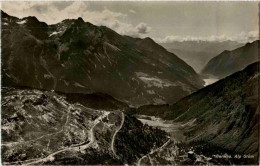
column 198, row 53
column 224, row 114
column 77, row 57
column 232, row 61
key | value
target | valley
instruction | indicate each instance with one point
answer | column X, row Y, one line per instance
column 212, row 116
column 197, row 53
column 181, row 149
column 77, row 93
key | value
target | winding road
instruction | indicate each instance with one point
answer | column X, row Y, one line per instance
column 73, row 147
column 9, row 144
column 114, row 136
column 153, row 151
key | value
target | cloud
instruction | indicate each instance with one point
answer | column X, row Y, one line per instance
column 54, row 12
column 242, row 37
column 143, row 28
column 132, row 11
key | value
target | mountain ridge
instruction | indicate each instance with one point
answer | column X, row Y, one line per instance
column 229, row 62
column 78, row 57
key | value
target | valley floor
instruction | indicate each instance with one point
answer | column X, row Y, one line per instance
column 174, row 129
column 168, row 153
column 182, row 150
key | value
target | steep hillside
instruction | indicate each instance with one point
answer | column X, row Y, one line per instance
column 95, row 101
column 198, row 53
column 224, row 114
column 43, row 127
column 78, row 57
column 229, row 62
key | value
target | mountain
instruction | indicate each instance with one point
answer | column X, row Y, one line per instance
column 229, row 62
column 223, row 115
column 45, row 127
column 198, row 53
column 74, row 56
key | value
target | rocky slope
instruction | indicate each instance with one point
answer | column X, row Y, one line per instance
column 44, row 127
column 76, row 56
column 229, row 62
column 198, row 53
column 223, row 116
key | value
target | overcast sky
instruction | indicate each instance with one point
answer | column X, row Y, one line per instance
column 162, row 21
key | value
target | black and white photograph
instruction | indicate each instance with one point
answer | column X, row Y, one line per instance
column 141, row 83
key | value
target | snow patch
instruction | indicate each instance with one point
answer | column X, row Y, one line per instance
column 54, row 33
column 21, row 22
